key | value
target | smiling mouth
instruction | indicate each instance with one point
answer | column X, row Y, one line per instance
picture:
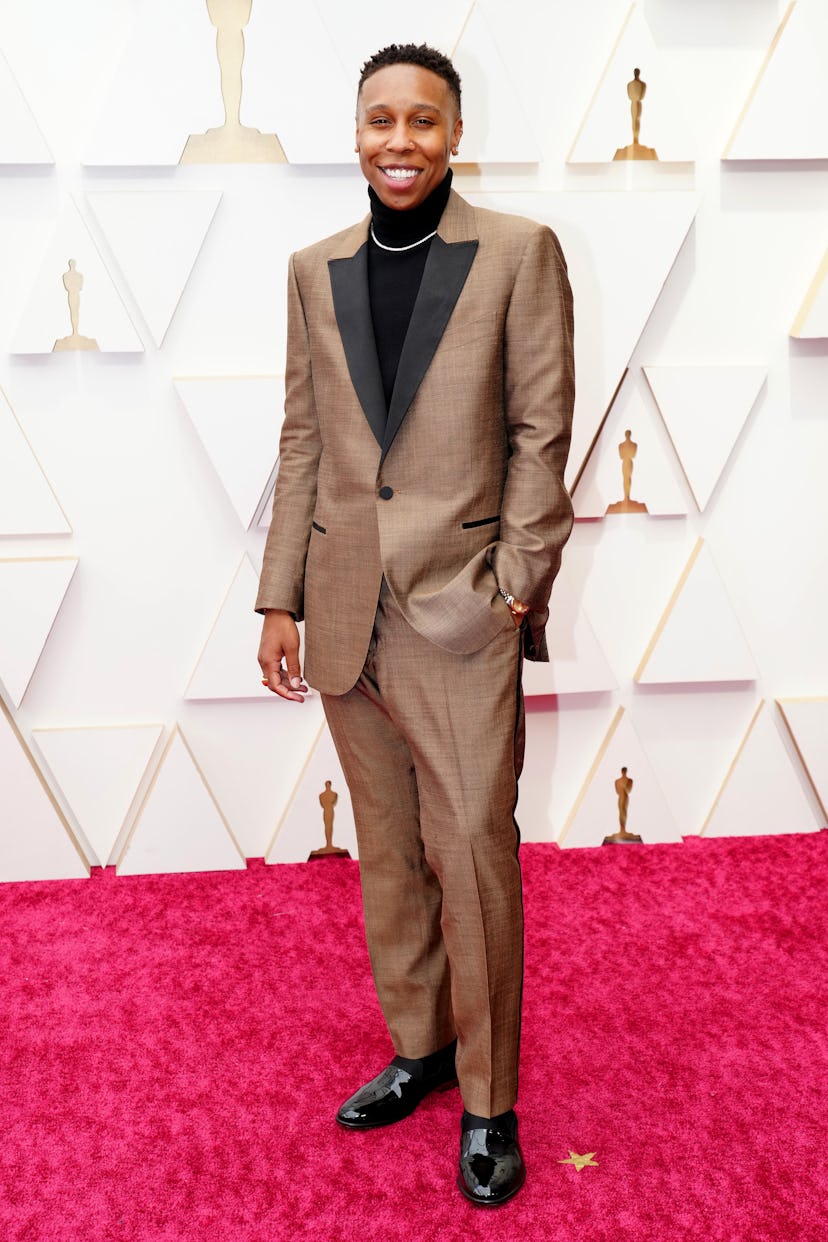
column 400, row 175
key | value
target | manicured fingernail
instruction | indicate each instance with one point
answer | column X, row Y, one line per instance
column 296, row 682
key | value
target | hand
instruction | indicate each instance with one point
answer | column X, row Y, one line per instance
column 280, row 641
column 516, row 607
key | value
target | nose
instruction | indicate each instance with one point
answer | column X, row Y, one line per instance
column 399, row 138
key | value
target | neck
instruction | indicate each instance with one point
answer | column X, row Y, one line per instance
column 401, row 228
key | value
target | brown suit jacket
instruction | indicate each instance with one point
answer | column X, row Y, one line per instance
column 460, row 489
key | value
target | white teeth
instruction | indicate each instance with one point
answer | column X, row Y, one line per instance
column 400, row 174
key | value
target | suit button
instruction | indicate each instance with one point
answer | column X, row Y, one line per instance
column 386, row 493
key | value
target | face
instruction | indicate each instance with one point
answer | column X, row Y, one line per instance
column 407, row 129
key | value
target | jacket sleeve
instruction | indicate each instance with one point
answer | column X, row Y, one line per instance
column 283, row 570
column 539, row 396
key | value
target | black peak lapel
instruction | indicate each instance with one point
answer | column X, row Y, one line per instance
column 349, row 286
column 446, row 269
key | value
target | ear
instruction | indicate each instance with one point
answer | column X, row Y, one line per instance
column 456, row 134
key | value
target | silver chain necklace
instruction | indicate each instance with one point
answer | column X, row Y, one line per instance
column 399, row 249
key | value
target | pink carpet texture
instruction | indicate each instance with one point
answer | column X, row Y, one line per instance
column 173, row 1049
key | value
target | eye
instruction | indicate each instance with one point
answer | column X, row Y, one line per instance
column 424, row 121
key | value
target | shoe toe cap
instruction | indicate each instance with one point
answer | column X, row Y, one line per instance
column 491, row 1170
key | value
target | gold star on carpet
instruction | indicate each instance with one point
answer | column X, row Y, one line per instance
column 580, row 1162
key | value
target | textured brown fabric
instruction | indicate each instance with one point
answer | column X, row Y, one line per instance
column 430, row 503
column 485, row 435
column 431, row 744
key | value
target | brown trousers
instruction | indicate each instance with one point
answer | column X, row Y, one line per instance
column 431, row 744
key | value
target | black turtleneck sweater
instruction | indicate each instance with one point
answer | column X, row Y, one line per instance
column 394, row 276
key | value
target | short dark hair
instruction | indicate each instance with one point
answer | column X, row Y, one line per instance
column 413, row 54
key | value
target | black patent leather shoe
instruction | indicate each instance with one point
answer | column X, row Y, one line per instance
column 491, row 1165
column 396, row 1092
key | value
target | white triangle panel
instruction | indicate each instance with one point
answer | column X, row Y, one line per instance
column 704, row 410
column 28, row 506
column 615, row 286
column 175, row 42
column 302, row 829
column 99, row 770
column 146, row 117
column 559, row 744
column 276, row 75
column 227, row 666
column 595, row 814
column 103, row 317
column 21, row 141
column 577, row 665
column 761, row 793
column 699, row 638
column 266, row 508
column 35, row 842
column 179, row 826
column 31, row 593
column 812, row 321
column 251, row 755
column 807, row 721
column 360, row 28
column 501, row 133
column 156, row 236
column 238, row 420
column 785, row 114
column 653, row 477
column 607, row 125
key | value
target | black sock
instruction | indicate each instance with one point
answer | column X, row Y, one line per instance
column 506, row 1123
column 422, row 1067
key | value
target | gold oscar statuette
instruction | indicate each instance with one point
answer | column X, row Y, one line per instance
column 232, row 142
column 73, row 283
column 327, row 800
column 623, row 787
column 627, row 450
column 636, row 90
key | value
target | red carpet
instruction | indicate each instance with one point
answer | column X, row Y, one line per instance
column 173, row 1048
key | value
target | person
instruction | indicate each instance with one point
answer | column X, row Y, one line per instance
column 418, row 521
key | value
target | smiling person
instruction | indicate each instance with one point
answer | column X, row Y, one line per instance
column 418, row 522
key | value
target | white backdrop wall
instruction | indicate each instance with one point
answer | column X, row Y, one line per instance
column 134, row 729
